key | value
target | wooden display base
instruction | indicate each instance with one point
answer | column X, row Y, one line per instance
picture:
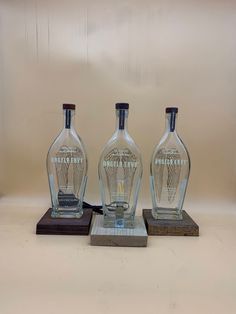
column 136, row 237
column 162, row 227
column 65, row 226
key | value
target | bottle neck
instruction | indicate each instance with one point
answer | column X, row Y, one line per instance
column 69, row 116
column 171, row 119
column 121, row 120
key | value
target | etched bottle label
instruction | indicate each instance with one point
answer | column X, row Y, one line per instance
column 169, row 161
column 120, row 164
column 168, row 164
column 69, row 164
column 67, row 160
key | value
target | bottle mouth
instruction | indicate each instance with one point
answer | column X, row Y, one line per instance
column 122, row 105
column 68, row 106
column 172, row 110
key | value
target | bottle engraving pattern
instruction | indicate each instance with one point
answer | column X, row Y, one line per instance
column 120, row 166
column 69, row 170
column 167, row 173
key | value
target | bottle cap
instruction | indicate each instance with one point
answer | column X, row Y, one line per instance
column 122, row 105
column 68, row 106
column 171, row 109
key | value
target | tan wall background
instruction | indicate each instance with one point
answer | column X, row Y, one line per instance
column 150, row 53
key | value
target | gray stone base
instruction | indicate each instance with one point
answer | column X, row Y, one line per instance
column 135, row 237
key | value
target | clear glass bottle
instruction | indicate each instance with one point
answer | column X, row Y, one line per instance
column 120, row 172
column 170, row 168
column 67, row 169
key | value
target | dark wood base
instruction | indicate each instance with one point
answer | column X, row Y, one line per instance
column 65, row 226
column 162, row 227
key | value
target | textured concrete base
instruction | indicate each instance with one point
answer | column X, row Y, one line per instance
column 136, row 237
column 162, row 227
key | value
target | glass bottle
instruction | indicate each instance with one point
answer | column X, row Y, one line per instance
column 170, row 168
column 67, row 169
column 120, row 172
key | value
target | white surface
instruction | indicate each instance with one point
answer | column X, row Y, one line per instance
column 64, row 274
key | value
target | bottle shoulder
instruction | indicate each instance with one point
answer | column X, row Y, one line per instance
column 67, row 139
column 120, row 150
column 171, row 144
column 121, row 142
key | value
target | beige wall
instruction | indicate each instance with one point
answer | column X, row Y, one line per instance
column 151, row 54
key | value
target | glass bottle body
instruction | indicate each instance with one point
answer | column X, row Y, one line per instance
column 67, row 171
column 120, row 172
column 170, row 168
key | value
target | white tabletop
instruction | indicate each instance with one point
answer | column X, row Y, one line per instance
column 64, row 274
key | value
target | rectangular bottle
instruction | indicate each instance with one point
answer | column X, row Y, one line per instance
column 67, row 169
column 170, row 168
column 120, row 172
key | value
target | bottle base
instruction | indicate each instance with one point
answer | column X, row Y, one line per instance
column 66, row 213
column 167, row 214
column 112, row 222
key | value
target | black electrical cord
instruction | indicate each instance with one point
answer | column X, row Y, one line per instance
column 96, row 208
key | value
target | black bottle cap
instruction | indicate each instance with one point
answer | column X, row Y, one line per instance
column 68, row 106
column 122, row 105
column 171, row 109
